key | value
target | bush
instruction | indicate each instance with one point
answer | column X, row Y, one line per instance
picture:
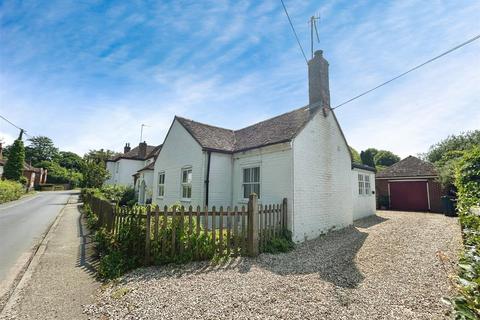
column 467, row 181
column 282, row 243
column 13, row 169
column 10, row 190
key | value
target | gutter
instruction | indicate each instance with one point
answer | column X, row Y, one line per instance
column 207, row 178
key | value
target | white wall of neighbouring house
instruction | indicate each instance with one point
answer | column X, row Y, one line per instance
column 363, row 201
column 1, row 171
column 276, row 182
column 179, row 151
column 111, row 169
column 322, row 179
column 122, row 171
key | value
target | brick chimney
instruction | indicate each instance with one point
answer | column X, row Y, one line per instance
column 318, row 86
column 126, row 148
column 142, row 149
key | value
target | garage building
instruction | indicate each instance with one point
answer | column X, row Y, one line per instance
column 410, row 185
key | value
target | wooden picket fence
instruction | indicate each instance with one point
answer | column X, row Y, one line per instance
column 230, row 231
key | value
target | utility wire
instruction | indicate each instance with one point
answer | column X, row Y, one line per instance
column 294, row 32
column 13, row 124
column 410, row 70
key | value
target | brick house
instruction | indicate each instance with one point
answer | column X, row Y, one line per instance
column 410, row 185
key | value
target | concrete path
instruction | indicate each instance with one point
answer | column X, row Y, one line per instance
column 62, row 280
column 23, row 224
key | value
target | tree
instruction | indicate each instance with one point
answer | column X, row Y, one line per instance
column 94, row 174
column 355, row 155
column 99, row 156
column 41, row 148
column 464, row 141
column 368, row 156
column 59, row 174
column 385, row 158
column 13, row 169
column 69, row 160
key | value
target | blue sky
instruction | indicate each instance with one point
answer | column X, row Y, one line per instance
column 89, row 73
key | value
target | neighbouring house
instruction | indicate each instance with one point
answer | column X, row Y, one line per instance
column 300, row 155
column 410, row 185
column 35, row 176
column 123, row 166
column 143, row 178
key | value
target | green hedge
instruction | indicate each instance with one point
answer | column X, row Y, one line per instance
column 10, row 190
column 467, row 181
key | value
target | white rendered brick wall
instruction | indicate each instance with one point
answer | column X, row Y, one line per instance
column 322, row 179
column 178, row 151
column 363, row 205
column 220, row 187
column 126, row 169
column 275, row 173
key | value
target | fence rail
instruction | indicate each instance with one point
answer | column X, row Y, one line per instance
column 195, row 232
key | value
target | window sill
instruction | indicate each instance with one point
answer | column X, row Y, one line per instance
column 160, row 197
column 185, row 200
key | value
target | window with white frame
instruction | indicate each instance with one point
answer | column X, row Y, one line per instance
column 186, row 183
column 161, row 184
column 367, row 185
column 361, row 184
column 251, row 181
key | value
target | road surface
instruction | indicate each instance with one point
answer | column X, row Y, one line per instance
column 22, row 225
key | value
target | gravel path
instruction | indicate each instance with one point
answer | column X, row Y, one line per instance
column 385, row 267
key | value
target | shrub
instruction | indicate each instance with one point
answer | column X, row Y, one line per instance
column 282, row 243
column 467, row 181
column 13, row 169
column 10, row 190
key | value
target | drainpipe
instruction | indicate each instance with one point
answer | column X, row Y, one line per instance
column 207, row 178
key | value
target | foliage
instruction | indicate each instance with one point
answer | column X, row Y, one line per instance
column 69, row 160
column 40, row 149
column 282, row 243
column 467, row 181
column 123, row 196
column 383, row 201
column 10, row 190
column 99, row 156
column 355, row 155
column 368, row 156
column 94, row 174
column 59, row 174
column 464, row 141
column 385, row 158
column 446, row 167
column 13, row 169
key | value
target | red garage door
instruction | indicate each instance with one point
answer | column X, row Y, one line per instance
column 409, row 195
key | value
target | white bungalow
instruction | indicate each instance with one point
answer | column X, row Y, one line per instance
column 301, row 155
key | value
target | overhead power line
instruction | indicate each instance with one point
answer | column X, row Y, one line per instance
column 13, row 124
column 410, row 70
column 294, row 32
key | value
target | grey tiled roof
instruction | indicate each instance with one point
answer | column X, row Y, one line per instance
column 275, row 130
column 408, row 167
column 134, row 153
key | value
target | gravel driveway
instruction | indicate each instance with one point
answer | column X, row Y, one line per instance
column 391, row 266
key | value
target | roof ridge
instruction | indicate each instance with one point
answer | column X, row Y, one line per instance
column 278, row 116
column 204, row 124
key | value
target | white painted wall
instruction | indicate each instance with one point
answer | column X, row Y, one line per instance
column 276, row 179
column 322, row 179
column 122, row 171
column 1, row 171
column 363, row 205
column 180, row 150
column 220, row 187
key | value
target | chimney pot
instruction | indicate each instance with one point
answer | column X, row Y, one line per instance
column 126, row 148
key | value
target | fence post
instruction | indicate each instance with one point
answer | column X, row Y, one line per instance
column 284, row 215
column 252, row 245
column 147, row 237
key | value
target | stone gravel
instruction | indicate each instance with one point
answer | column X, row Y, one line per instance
column 396, row 265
